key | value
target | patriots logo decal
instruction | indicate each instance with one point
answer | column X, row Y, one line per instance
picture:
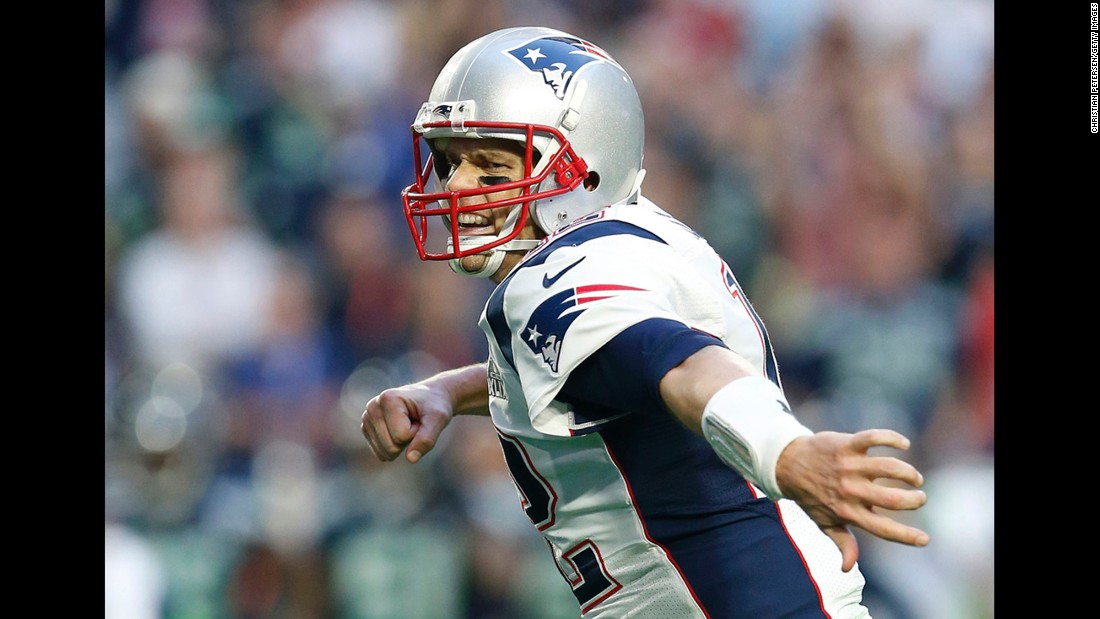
column 557, row 59
column 545, row 331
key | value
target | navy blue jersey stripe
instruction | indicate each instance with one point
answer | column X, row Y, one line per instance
column 710, row 524
column 494, row 314
column 582, row 235
column 494, row 307
column 771, row 367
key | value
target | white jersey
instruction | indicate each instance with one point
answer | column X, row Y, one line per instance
column 641, row 516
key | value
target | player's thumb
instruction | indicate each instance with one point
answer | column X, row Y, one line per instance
column 849, row 548
column 430, row 427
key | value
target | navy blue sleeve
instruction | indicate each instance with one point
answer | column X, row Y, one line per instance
column 625, row 374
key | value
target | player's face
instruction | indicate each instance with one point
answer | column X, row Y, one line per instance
column 481, row 162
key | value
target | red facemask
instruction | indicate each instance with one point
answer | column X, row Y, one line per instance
column 569, row 171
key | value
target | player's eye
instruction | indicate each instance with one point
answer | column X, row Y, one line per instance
column 494, row 180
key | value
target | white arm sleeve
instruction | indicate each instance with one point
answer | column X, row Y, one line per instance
column 748, row 423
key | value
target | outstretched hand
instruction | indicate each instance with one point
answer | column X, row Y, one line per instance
column 832, row 477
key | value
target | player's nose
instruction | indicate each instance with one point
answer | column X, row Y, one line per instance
column 465, row 176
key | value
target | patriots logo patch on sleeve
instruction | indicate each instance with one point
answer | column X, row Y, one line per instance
column 557, row 59
column 545, row 331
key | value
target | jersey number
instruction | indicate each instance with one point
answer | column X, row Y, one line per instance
column 582, row 566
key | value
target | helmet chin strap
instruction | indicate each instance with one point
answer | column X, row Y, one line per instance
column 490, row 266
column 495, row 255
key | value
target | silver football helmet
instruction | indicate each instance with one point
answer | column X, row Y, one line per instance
column 572, row 107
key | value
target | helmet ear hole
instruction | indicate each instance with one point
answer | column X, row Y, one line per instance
column 592, row 181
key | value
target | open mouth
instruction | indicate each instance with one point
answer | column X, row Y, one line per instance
column 474, row 224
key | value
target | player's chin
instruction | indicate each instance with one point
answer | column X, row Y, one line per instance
column 474, row 263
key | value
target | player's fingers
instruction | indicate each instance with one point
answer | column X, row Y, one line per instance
column 894, row 469
column 846, row 542
column 368, row 433
column 891, row 530
column 886, row 497
column 866, row 439
column 379, row 440
column 398, row 417
column 383, row 413
column 372, row 415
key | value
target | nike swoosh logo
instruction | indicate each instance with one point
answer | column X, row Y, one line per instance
column 548, row 281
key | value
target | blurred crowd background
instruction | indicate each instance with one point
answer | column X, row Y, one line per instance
column 261, row 284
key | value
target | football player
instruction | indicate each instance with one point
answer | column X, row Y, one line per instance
column 632, row 385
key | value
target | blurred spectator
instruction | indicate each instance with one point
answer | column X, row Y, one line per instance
column 265, row 584
column 817, row 104
column 436, row 29
column 195, row 291
column 175, row 106
column 966, row 170
column 285, row 385
column 301, row 83
column 189, row 295
column 369, row 299
column 257, row 585
column 280, row 396
column 341, row 54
